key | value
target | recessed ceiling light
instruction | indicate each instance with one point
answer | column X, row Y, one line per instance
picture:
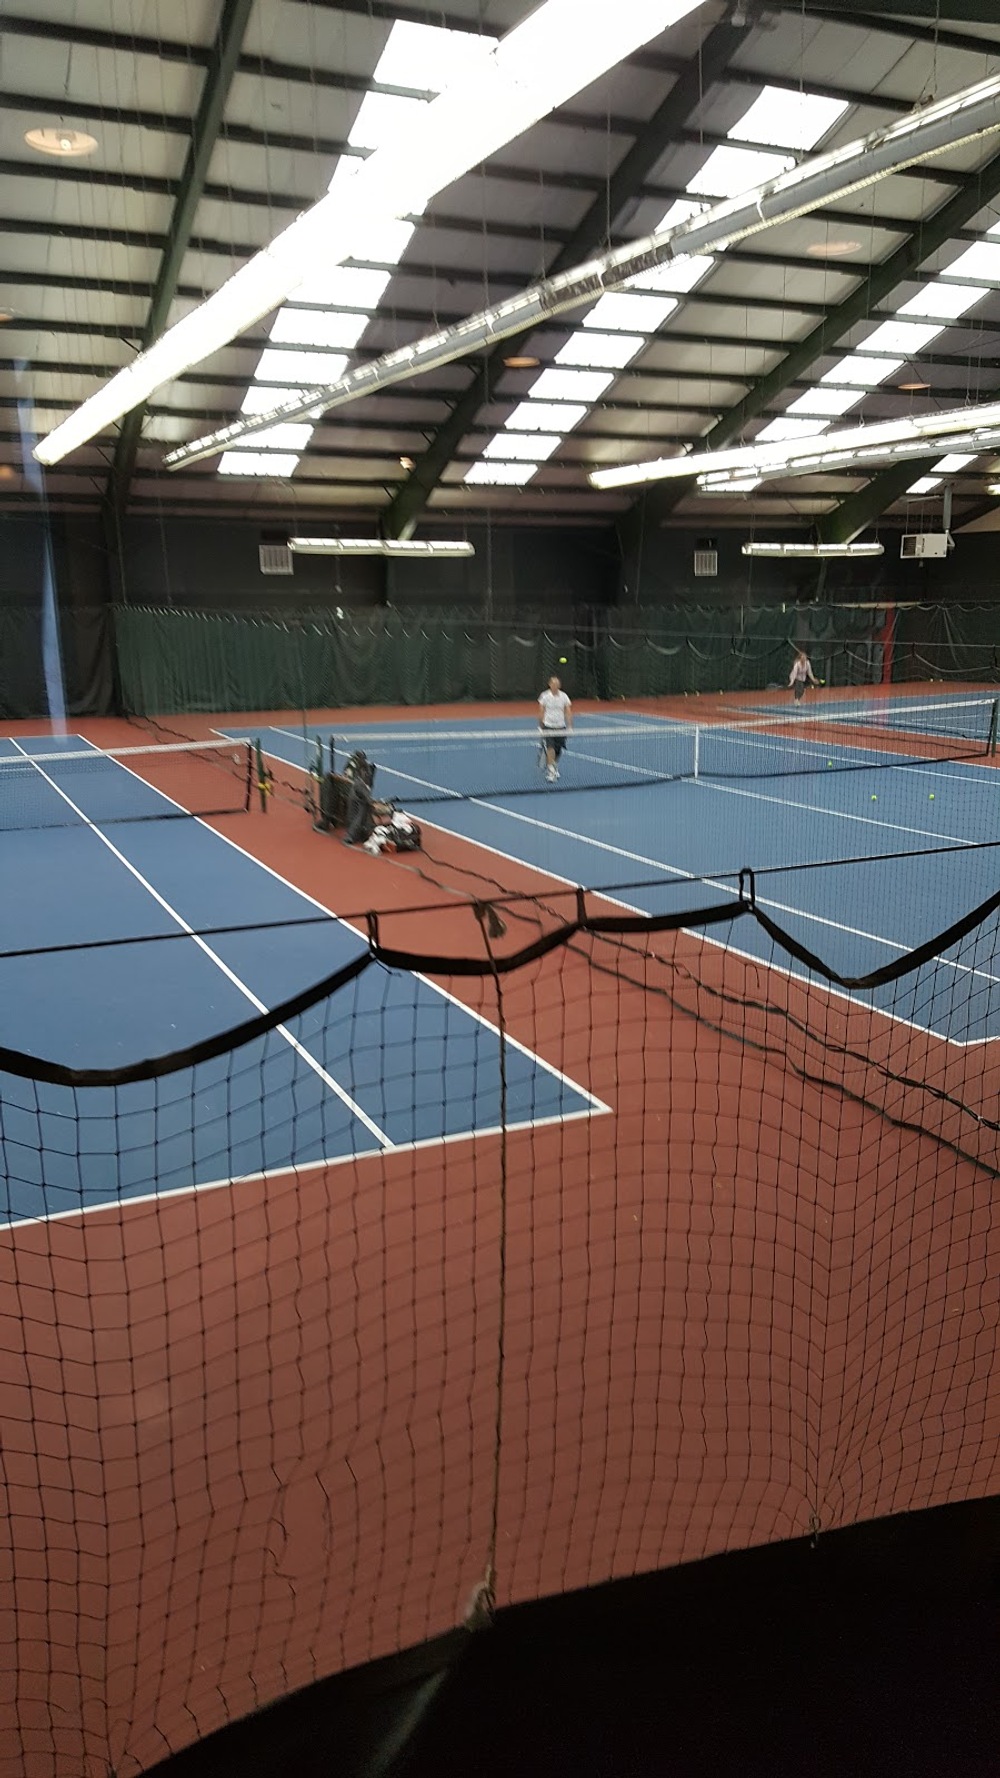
column 522, row 363
column 832, row 249
column 64, row 143
column 6, row 472
column 909, row 386
column 406, row 463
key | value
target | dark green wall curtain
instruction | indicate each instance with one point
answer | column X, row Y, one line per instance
column 172, row 661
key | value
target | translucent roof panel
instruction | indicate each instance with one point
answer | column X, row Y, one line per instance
column 783, row 119
column 621, row 310
column 278, row 364
column 540, row 416
column 572, row 385
column 588, row 347
column 730, row 171
column 500, row 475
column 523, row 447
column 317, row 327
column 257, row 463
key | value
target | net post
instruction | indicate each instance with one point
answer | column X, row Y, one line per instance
column 991, row 741
column 697, row 750
column 263, row 786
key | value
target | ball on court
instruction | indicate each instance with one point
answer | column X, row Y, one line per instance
column 874, row 797
column 932, row 796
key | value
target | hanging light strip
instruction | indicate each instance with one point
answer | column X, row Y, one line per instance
column 562, row 47
column 377, row 546
column 854, row 444
column 796, row 551
column 822, row 180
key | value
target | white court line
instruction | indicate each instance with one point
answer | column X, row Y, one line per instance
column 328, row 1080
column 167, row 1193
column 597, row 1105
column 692, row 932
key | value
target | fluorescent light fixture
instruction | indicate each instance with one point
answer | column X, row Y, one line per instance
column 796, row 551
column 920, row 135
column 553, row 54
column 377, row 546
column 856, row 444
column 817, row 461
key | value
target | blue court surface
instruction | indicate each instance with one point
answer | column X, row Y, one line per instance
column 389, row 1062
column 737, row 796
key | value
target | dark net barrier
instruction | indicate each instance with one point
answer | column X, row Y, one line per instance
column 172, row 662
column 681, row 1251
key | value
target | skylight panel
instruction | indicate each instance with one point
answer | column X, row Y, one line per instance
column 278, row 364
column 523, row 447
column 546, row 416
column 383, row 118
column 589, row 348
column 269, row 463
column 261, row 399
column 429, row 57
column 572, row 385
column 901, row 336
column 981, row 260
column 788, row 120
column 500, row 475
column 347, row 286
column 784, row 427
column 620, row 311
column 950, row 300
column 730, row 171
column 862, row 372
column 678, row 275
column 925, row 485
column 317, row 327
column 955, row 460
column 820, row 400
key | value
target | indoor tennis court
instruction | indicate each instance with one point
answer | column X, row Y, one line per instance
column 500, row 871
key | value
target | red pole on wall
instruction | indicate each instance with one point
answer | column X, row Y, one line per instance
column 888, row 639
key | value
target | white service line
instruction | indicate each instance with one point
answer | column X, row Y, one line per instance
column 597, row 1104
column 328, row 1081
column 693, row 932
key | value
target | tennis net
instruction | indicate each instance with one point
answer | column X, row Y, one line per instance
column 100, row 787
column 432, row 765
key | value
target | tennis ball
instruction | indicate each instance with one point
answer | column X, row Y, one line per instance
column 932, row 796
column 874, row 797
column 562, row 660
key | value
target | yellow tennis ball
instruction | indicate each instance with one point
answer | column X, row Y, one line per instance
column 874, row 797
column 932, row 796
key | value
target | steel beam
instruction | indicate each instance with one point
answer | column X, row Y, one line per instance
column 223, row 63
column 866, row 504
column 925, row 239
column 672, row 115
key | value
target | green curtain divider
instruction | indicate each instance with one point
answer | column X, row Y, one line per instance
column 174, row 661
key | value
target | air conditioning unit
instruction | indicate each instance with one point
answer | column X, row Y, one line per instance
column 706, row 559
column 925, row 545
column 275, row 558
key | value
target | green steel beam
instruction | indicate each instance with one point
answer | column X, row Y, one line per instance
column 866, row 504
column 222, row 65
column 680, row 103
column 659, row 501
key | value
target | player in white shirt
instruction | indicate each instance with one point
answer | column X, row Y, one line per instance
column 555, row 723
column 801, row 675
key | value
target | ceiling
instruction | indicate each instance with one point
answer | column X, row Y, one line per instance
column 217, row 121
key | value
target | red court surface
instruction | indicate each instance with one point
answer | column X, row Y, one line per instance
column 251, row 1433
